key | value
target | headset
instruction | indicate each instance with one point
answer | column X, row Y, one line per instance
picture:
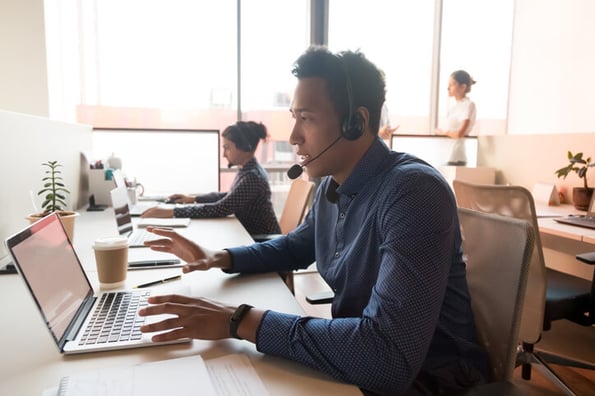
column 352, row 126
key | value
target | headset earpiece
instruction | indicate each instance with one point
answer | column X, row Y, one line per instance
column 352, row 128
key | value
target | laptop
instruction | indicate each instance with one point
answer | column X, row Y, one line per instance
column 135, row 209
column 136, row 236
column 587, row 221
column 72, row 312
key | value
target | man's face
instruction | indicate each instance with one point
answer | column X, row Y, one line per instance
column 316, row 127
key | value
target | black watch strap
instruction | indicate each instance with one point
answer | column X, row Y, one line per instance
column 236, row 318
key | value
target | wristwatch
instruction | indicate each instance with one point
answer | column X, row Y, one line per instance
column 236, row 318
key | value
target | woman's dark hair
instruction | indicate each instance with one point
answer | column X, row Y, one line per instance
column 245, row 134
column 462, row 77
column 341, row 72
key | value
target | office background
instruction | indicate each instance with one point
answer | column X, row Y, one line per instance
column 548, row 105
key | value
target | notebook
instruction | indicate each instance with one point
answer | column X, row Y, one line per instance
column 135, row 209
column 136, row 236
column 71, row 310
column 587, row 221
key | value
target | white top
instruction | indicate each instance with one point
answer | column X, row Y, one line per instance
column 459, row 111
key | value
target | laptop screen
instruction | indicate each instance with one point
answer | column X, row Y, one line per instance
column 52, row 271
column 121, row 210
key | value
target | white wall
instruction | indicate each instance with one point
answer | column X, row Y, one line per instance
column 527, row 159
column 23, row 75
column 552, row 86
column 27, row 142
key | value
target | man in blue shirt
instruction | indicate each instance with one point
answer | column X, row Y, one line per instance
column 385, row 235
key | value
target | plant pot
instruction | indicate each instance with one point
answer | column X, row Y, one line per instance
column 66, row 217
column 581, row 197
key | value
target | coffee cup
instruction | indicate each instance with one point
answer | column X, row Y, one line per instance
column 111, row 258
column 132, row 195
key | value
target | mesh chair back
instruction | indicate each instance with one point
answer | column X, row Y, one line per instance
column 497, row 295
column 517, row 202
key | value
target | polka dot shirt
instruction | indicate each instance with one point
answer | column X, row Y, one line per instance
column 249, row 199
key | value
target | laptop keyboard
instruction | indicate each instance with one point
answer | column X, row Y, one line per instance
column 115, row 318
column 139, row 236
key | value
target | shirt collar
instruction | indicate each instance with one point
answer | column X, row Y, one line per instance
column 369, row 166
column 249, row 165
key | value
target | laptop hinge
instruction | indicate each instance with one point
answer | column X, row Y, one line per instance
column 77, row 322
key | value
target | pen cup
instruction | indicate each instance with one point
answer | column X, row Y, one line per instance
column 111, row 258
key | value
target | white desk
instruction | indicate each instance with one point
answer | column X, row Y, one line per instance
column 31, row 362
column 562, row 242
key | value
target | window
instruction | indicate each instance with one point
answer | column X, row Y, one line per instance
column 398, row 37
column 477, row 37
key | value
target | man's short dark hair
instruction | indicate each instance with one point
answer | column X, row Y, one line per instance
column 341, row 69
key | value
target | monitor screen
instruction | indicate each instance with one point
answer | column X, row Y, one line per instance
column 163, row 161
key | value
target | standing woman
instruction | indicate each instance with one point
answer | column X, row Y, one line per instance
column 460, row 115
column 249, row 197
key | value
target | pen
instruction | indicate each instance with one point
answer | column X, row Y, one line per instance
column 153, row 263
column 158, row 282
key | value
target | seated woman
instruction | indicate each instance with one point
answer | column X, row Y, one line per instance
column 249, row 198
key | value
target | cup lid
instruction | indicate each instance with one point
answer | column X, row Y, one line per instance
column 106, row 243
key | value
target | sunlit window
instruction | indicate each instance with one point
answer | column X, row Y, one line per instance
column 161, row 54
column 397, row 36
column 477, row 37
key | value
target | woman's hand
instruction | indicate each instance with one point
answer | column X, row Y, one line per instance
column 180, row 198
column 158, row 212
column 197, row 257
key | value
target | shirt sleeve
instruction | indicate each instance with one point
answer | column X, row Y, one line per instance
column 289, row 252
column 210, row 197
column 243, row 192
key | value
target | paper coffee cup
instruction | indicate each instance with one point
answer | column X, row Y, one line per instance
column 111, row 258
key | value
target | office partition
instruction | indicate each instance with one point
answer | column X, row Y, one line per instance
column 27, row 142
column 434, row 149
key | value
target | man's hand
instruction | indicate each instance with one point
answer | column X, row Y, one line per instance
column 198, row 318
column 197, row 257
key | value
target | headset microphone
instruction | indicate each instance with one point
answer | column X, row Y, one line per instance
column 296, row 170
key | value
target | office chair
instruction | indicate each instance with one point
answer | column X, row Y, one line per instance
column 551, row 294
column 293, row 214
column 497, row 296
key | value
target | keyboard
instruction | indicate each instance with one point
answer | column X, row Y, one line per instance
column 580, row 221
column 138, row 237
column 116, row 318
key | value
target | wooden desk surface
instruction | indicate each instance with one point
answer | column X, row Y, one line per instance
column 31, row 362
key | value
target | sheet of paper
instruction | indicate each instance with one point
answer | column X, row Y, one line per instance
column 233, row 375
column 180, row 377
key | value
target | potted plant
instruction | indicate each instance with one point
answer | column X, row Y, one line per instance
column 581, row 196
column 55, row 198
